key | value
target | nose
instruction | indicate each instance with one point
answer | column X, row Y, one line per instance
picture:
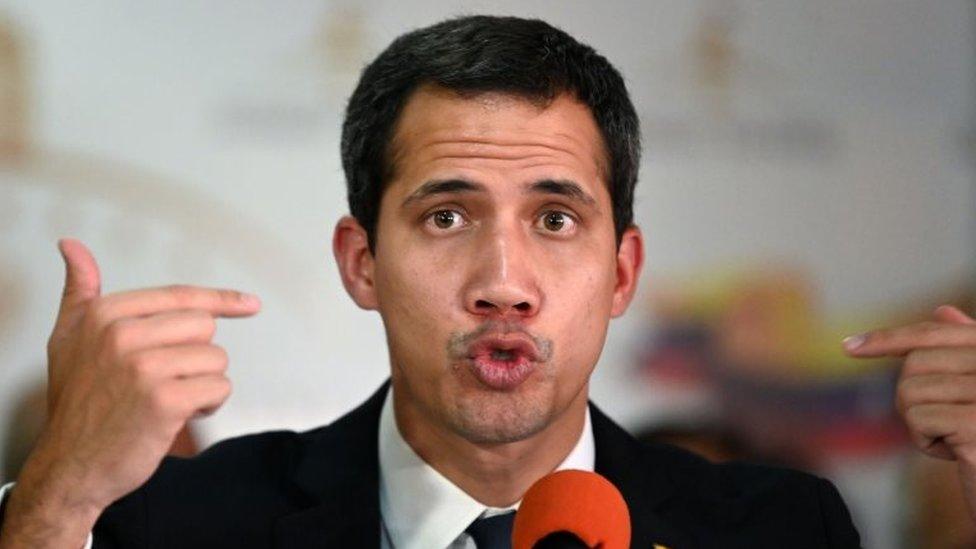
column 503, row 283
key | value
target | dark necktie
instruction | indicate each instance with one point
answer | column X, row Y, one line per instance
column 493, row 532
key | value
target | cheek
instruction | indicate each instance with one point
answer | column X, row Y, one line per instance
column 581, row 278
column 416, row 297
column 579, row 301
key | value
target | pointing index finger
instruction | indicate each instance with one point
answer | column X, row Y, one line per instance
column 148, row 301
column 901, row 340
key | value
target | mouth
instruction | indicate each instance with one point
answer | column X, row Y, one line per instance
column 504, row 348
column 503, row 354
column 502, row 363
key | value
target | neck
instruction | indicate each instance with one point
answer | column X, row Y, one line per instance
column 495, row 474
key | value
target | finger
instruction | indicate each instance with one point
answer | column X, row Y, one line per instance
column 82, row 279
column 952, row 424
column 170, row 328
column 901, row 340
column 940, row 360
column 939, row 449
column 149, row 301
column 203, row 395
column 184, row 361
column 936, row 389
column 952, row 314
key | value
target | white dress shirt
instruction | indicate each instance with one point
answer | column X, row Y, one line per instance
column 421, row 509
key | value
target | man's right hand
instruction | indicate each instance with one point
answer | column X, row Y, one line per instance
column 125, row 373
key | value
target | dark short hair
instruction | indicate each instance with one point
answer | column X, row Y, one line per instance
column 472, row 54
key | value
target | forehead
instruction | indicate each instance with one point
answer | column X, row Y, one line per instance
column 440, row 129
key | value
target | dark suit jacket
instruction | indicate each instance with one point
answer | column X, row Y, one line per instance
column 321, row 489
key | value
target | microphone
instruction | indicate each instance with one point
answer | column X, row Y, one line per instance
column 560, row 540
column 572, row 509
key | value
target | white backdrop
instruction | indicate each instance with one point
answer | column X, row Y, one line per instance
column 198, row 142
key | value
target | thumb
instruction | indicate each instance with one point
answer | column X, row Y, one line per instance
column 82, row 280
column 952, row 314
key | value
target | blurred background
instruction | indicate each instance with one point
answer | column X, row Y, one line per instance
column 809, row 172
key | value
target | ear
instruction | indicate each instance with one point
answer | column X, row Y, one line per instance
column 351, row 250
column 630, row 260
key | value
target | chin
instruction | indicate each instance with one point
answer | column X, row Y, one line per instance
column 499, row 418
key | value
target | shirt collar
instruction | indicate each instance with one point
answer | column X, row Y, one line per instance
column 422, row 508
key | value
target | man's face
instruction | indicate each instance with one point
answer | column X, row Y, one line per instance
column 496, row 269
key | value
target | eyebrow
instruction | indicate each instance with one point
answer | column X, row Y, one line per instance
column 561, row 187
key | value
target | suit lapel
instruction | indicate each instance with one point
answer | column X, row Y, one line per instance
column 336, row 477
column 642, row 473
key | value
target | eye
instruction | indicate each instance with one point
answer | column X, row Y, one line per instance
column 445, row 219
column 556, row 221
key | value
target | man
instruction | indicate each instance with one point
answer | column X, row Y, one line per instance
column 490, row 165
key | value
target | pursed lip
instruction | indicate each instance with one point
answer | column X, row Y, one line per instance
column 519, row 344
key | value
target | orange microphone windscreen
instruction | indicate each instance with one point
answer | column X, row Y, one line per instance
column 579, row 502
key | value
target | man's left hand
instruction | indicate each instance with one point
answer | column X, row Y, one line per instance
column 936, row 392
